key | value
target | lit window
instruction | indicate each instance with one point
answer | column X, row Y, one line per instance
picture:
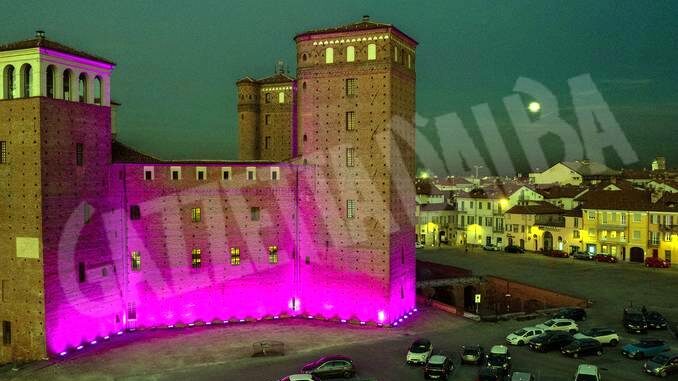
column 201, row 173
column 251, row 173
column 79, row 159
column 281, row 97
column 97, row 90
column 350, row 156
column 235, row 256
column 3, row 152
column 149, row 173
column 226, row 173
column 196, row 260
column 175, row 173
column 66, row 80
column 395, row 53
column 9, row 82
column 273, row 254
column 255, row 213
column 26, row 80
column 409, row 61
column 82, row 88
column 195, row 215
column 136, row 261
column 350, row 120
column 667, row 237
column 372, row 52
column 134, row 212
column 350, row 54
column 275, row 173
column 329, row 55
column 350, row 208
column 351, row 86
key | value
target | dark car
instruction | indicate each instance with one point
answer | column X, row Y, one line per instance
column 583, row 256
column 472, row 354
column 662, row 365
column 330, row 367
column 656, row 262
column 583, row 347
column 605, row 258
column 438, row 367
column 634, row 321
column 557, row 254
column 645, row 348
column 499, row 358
column 655, row 320
column 550, row 340
column 572, row 313
column 491, row 374
column 514, row 249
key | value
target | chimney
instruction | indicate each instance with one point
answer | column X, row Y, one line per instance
column 366, row 18
column 40, row 34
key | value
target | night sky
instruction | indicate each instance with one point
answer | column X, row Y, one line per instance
column 178, row 61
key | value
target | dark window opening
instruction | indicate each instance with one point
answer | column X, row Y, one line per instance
column 148, row 175
column 134, row 212
column 82, row 275
column 254, row 213
column 79, row 151
column 6, row 332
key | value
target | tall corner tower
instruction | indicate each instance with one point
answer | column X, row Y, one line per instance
column 248, row 118
column 356, row 104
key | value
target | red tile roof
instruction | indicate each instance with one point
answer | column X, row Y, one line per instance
column 538, row 207
column 625, row 199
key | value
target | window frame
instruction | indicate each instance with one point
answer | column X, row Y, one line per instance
column 174, row 169
column 351, row 208
column 350, row 121
column 196, row 258
column 350, row 157
column 3, row 152
column 201, row 170
column 253, row 171
column 151, row 170
column 135, row 260
column 273, row 254
column 275, row 173
column 196, row 214
column 351, row 85
column 234, row 256
column 226, row 174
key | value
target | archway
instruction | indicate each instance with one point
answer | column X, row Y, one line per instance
column 469, row 298
column 548, row 241
column 637, row 255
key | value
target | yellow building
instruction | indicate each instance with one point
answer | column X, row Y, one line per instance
column 541, row 226
column 663, row 228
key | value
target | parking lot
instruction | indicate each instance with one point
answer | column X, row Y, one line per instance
column 219, row 353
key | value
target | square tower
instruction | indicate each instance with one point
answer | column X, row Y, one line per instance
column 356, row 104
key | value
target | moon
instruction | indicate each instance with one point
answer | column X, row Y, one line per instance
column 534, row 107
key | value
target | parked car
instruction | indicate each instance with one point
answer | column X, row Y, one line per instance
column 491, row 247
column 583, row 347
column 472, row 354
column 521, row 376
column 419, row 351
column 605, row 258
column 583, row 255
column 634, row 320
column 655, row 320
column 587, row 372
column 557, row 254
column 438, row 366
column 572, row 313
column 606, row 336
column 418, row 245
column 514, row 249
column 656, row 262
column 645, row 348
column 300, row 377
column 523, row 335
column 330, row 367
column 491, row 374
column 550, row 340
column 662, row 364
column 499, row 358
column 567, row 325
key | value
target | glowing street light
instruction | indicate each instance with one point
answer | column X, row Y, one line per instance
column 534, row 107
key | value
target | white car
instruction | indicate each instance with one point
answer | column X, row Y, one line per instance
column 300, row 377
column 586, row 372
column 603, row 335
column 419, row 352
column 566, row 325
column 523, row 335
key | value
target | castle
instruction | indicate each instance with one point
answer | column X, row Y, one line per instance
column 315, row 219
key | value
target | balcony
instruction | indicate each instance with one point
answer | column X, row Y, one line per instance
column 557, row 221
column 612, row 225
column 668, row 228
column 653, row 242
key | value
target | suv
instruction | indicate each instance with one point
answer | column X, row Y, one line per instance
column 438, row 366
column 662, row 365
column 567, row 325
column 583, row 347
column 551, row 340
column 330, row 367
column 604, row 335
column 634, row 321
column 499, row 358
column 572, row 313
column 586, row 372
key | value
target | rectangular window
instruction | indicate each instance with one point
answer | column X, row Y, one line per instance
column 255, row 213
column 267, row 142
column 79, row 148
column 3, row 290
column 575, row 234
column 201, row 173
column 470, row 204
column 636, row 235
column 350, row 208
column 3, row 152
column 196, row 259
column 195, row 215
column 275, row 173
column 667, row 237
column 350, row 120
column 654, row 218
column 86, row 213
column 6, row 332
column 149, row 173
column 251, row 173
column 592, row 215
column 636, row 217
column 235, row 256
column 131, row 311
column 480, row 205
column 576, row 222
column 267, row 119
column 175, row 173
column 395, row 54
column 592, row 232
column 226, row 173
column 350, row 156
column 273, row 254
column 134, row 212
column 351, row 86
column 136, row 261
column 604, row 215
column 82, row 274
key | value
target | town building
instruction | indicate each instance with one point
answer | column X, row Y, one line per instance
column 574, row 173
column 315, row 219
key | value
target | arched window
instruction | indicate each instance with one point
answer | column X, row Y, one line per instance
column 372, row 52
column 268, row 97
column 26, row 80
column 350, row 54
column 50, row 81
column 329, row 55
column 82, row 88
column 281, row 97
column 8, row 80
column 66, row 94
column 395, row 54
column 97, row 90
